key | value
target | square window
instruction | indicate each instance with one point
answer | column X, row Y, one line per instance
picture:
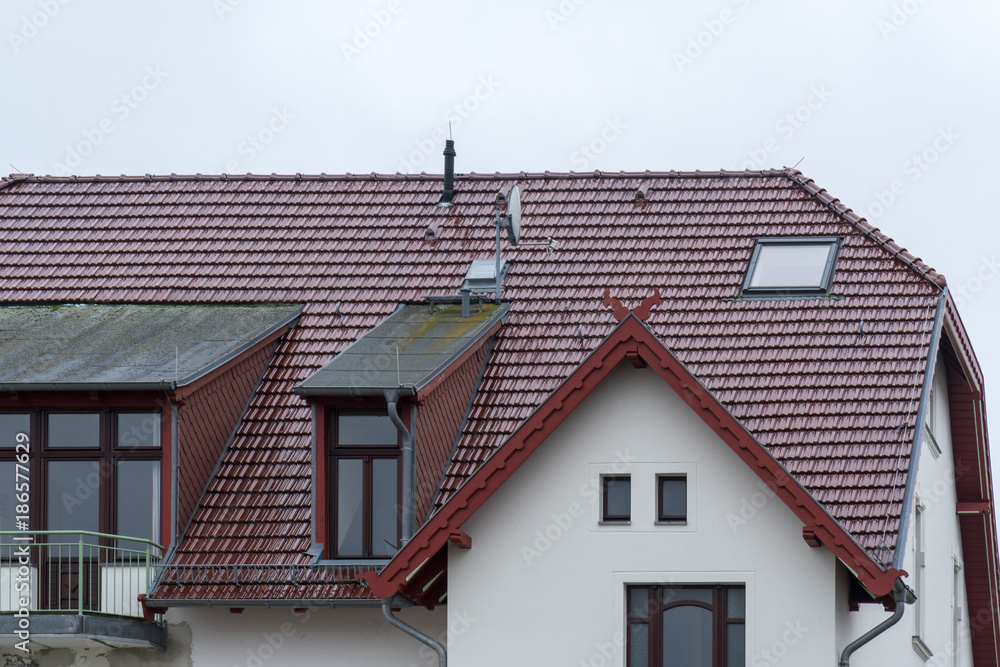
column 672, row 498
column 617, row 498
column 784, row 266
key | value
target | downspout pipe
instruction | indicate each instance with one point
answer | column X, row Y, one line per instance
column 903, row 596
column 413, row 632
column 409, row 465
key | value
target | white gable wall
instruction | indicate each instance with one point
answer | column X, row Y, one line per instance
column 545, row 584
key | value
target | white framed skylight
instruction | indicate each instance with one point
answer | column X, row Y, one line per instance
column 791, row 266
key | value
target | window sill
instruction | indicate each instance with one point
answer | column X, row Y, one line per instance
column 615, row 522
column 921, row 649
column 670, row 523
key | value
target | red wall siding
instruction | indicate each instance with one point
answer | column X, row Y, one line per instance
column 439, row 419
column 207, row 419
column 972, row 484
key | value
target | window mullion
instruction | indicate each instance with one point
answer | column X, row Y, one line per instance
column 366, row 508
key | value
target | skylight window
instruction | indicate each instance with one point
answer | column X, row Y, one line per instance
column 791, row 266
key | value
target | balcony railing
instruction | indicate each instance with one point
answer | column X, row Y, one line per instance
column 73, row 572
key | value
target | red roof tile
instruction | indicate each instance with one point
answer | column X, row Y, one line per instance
column 835, row 406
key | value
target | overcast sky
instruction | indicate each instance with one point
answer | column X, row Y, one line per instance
column 891, row 105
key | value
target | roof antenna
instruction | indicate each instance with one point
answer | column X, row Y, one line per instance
column 449, row 171
column 799, row 162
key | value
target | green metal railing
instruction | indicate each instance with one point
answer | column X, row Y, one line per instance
column 65, row 571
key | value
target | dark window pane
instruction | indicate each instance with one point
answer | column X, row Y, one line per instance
column 7, row 500
column 10, row 425
column 385, row 500
column 138, row 430
column 737, row 605
column 673, row 498
column 797, row 265
column 75, row 430
column 687, row 637
column 366, row 430
column 736, row 645
column 638, row 603
column 350, row 519
column 73, row 498
column 138, row 504
column 638, row 645
column 618, row 497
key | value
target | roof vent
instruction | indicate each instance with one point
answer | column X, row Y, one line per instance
column 449, row 173
column 641, row 194
column 433, row 231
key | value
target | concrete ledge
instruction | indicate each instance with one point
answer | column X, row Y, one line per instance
column 84, row 630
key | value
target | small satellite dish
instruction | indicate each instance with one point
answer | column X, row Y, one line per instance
column 514, row 216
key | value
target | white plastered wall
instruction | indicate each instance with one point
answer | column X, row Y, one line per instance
column 544, row 583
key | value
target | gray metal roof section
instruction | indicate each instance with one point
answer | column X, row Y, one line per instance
column 127, row 347
column 406, row 351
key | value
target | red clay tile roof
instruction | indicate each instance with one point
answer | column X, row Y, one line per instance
column 835, row 406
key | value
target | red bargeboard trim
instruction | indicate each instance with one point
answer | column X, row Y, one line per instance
column 631, row 337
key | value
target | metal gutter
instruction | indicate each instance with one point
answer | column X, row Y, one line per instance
column 918, row 435
column 903, row 596
column 404, row 390
column 413, row 632
column 163, row 385
column 223, row 604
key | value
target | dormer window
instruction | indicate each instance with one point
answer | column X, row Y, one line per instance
column 365, row 469
column 791, row 267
